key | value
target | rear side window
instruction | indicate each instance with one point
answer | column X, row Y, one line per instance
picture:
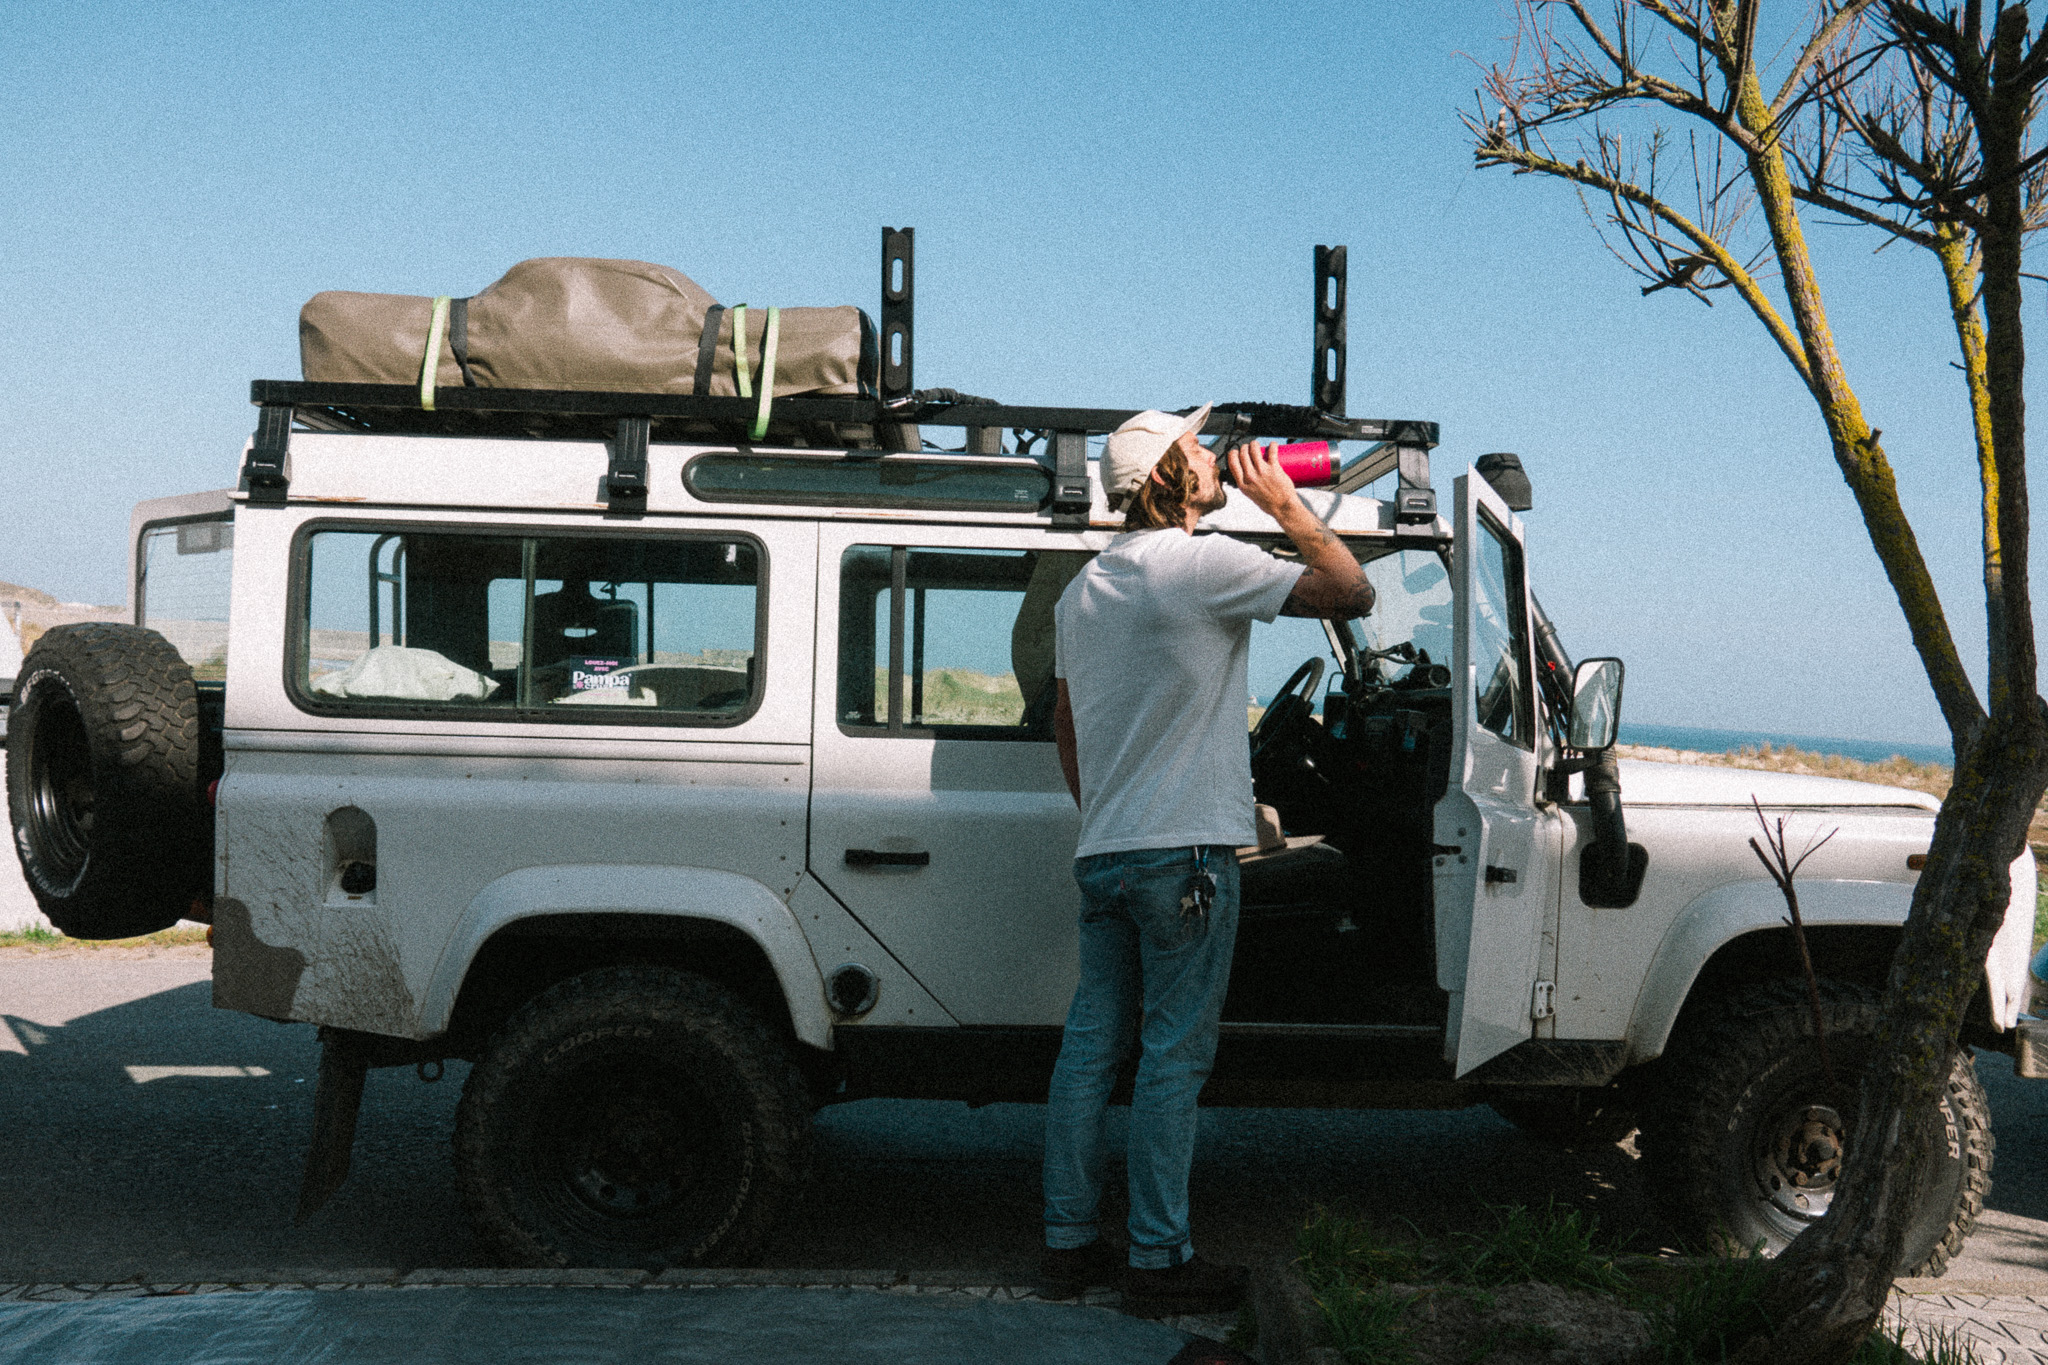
column 949, row 642
column 183, row 571
column 570, row 628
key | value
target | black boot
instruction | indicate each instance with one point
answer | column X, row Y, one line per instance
column 1068, row 1273
column 1194, row 1286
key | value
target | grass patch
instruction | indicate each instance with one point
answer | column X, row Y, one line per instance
column 1553, row 1246
column 1364, row 1280
column 1713, row 1311
column 36, row 936
column 1366, row 1324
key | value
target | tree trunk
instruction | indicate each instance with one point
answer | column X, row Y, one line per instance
column 1831, row 1284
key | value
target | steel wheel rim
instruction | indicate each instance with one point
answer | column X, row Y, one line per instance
column 634, row 1146
column 60, row 802
column 1798, row 1160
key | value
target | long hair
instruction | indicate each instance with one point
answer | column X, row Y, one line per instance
column 1166, row 494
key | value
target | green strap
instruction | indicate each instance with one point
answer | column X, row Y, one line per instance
column 430, row 363
column 767, row 373
column 739, row 350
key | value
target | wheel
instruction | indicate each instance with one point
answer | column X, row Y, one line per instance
column 106, row 781
column 1745, row 1144
column 633, row 1117
column 1570, row 1118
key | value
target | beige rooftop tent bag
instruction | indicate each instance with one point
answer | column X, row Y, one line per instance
column 572, row 323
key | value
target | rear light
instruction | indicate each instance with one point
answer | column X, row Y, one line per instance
column 213, row 792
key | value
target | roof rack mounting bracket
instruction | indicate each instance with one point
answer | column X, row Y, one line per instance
column 898, row 288
column 1414, row 499
column 625, row 478
column 1070, row 481
column 1326, row 385
column 266, row 476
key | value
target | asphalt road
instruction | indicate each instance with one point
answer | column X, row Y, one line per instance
column 148, row 1134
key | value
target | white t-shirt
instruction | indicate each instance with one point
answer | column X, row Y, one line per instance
column 1152, row 639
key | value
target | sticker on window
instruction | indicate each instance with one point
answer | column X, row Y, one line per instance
column 598, row 675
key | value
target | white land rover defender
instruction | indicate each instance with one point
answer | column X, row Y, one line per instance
column 684, row 782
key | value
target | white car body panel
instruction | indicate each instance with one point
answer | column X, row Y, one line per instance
column 991, row 925
column 482, row 824
column 1490, row 935
column 685, row 892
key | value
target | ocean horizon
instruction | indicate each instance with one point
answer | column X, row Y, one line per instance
column 1710, row 741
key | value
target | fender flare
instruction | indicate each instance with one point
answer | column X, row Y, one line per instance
column 1718, row 917
column 684, row 892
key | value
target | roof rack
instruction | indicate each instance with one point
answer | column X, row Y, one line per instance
column 628, row 422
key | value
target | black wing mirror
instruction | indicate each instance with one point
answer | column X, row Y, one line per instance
column 1596, row 705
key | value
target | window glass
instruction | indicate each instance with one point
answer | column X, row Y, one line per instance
column 950, row 641
column 1411, row 606
column 183, row 575
column 1280, row 647
column 605, row 625
column 1498, row 636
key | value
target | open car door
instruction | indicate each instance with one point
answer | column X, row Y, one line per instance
column 1492, row 873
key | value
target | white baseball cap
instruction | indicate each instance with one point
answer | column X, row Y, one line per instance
column 1137, row 445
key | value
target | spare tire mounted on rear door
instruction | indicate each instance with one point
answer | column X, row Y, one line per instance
column 106, row 781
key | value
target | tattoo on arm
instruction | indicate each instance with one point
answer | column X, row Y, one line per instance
column 1355, row 603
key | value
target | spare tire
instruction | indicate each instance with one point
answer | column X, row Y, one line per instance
column 106, row 781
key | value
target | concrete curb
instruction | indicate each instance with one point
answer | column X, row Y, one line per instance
column 1291, row 1326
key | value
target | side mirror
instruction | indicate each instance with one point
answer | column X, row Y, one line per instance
column 1596, row 705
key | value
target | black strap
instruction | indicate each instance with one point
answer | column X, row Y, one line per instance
column 707, row 351
column 458, row 338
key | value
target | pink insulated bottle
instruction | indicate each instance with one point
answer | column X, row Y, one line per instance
column 1309, row 463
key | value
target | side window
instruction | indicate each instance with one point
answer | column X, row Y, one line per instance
column 949, row 642
column 182, row 576
column 554, row 627
column 1500, row 637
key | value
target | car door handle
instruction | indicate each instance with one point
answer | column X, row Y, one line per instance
column 880, row 857
column 1500, row 875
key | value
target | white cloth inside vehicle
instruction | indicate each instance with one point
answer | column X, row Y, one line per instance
column 405, row 674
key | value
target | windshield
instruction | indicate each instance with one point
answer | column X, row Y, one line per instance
column 1412, row 608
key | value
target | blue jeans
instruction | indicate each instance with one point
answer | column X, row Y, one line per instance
column 1151, row 975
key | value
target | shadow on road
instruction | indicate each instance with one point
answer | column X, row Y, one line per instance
column 159, row 1137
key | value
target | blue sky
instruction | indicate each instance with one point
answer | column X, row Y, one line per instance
column 1115, row 205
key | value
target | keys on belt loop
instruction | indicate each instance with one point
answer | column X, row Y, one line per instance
column 1201, row 892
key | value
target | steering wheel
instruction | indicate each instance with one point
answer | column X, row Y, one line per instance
column 1290, row 707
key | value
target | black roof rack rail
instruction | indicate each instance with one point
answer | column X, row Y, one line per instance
column 629, row 422
column 555, row 413
column 841, row 423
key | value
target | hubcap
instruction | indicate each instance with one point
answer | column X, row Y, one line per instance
column 1799, row 1160
column 634, row 1148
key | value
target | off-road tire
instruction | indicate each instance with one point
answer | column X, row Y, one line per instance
column 632, row 1117
column 1571, row 1117
column 106, row 781
column 1747, row 1069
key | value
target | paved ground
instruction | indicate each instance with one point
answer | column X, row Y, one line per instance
column 689, row 1319
column 157, row 1140
column 17, row 904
